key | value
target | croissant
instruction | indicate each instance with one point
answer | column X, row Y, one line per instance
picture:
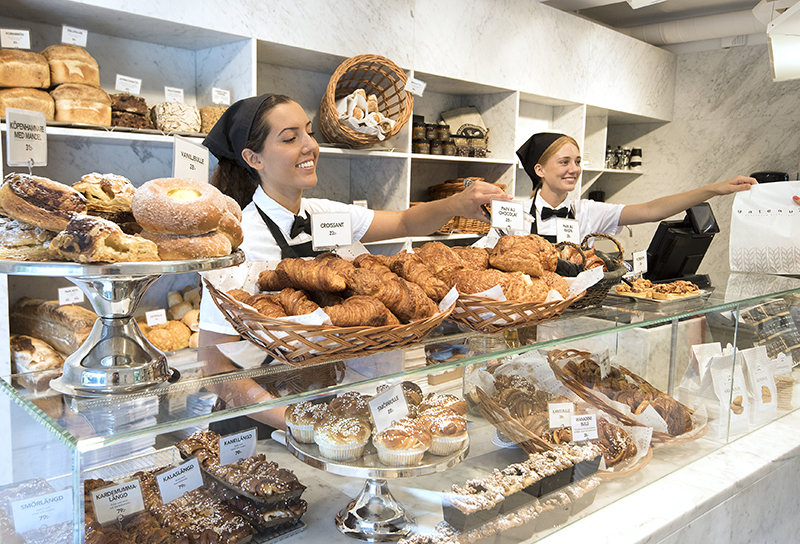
column 270, row 280
column 311, row 275
column 516, row 254
column 361, row 311
column 475, row 258
column 441, row 260
column 333, row 261
column 404, row 299
column 410, row 266
column 239, row 294
column 267, row 305
column 555, row 282
column 296, row 302
column 371, row 262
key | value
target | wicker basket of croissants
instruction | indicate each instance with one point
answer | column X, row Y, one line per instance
column 587, row 257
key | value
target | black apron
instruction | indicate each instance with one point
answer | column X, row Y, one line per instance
column 287, row 251
column 534, row 227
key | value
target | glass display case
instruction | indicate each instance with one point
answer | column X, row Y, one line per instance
column 683, row 348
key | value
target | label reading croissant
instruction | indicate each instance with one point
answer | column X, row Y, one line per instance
column 114, row 502
column 330, row 230
column 508, row 215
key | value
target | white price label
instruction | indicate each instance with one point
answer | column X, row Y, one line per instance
column 415, row 86
column 26, row 142
column 604, row 362
column 125, row 84
column 568, row 230
column 173, row 483
column 560, row 414
column 70, row 295
column 362, row 203
column 388, row 407
column 115, row 502
column 189, row 160
column 155, row 317
column 220, row 96
column 330, row 230
column 42, row 511
column 783, row 364
column 507, row 215
column 173, row 94
column 237, row 446
column 74, row 36
column 12, row 38
column 584, row 428
column 640, row 262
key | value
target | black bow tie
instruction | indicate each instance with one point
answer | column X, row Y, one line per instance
column 301, row 224
column 547, row 213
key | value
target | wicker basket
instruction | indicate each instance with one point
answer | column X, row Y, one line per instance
column 302, row 345
column 557, row 358
column 376, row 75
column 489, row 316
column 616, row 269
column 458, row 224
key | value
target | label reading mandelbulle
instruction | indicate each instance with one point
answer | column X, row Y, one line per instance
column 237, row 446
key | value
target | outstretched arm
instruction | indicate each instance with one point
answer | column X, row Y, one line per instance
column 666, row 206
column 426, row 218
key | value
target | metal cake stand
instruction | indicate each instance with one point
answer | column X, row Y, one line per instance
column 375, row 515
column 116, row 357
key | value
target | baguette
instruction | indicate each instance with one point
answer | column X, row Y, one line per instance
column 63, row 327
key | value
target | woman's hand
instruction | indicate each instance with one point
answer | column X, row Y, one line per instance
column 468, row 202
column 733, row 185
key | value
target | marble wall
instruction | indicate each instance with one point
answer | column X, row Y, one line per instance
column 729, row 118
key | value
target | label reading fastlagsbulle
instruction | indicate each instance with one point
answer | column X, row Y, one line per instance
column 173, row 483
column 126, row 84
column 584, row 427
column 220, row 96
column 69, row 295
column 237, row 446
column 189, row 160
column 115, row 502
column 388, row 407
column 560, row 414
column 330, row 230
column 26, row 133
column 42, row 511
column 74, row 36
column 173, row 94
column 15, row 38
column 155, row 317
column 507, row 215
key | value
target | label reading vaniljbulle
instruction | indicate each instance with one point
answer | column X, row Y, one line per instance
column 237, row 446
column 560, row 414
column 584, row 427
column 189, row 160
column 388, row 408
column 173, row 483
column 42, row 511
column 26, row 137
column 70, row 295
column 74, row 36
column 15, row 38
column 115, row 502
column 330, row 230
column 507, row 215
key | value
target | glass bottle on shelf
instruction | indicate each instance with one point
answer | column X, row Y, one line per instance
column 479, row 374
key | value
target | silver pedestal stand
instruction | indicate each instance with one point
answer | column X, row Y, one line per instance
column 116, row 357
column 375, row 515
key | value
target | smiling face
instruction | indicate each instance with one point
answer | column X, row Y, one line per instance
column 560, row 173
column 288, row 162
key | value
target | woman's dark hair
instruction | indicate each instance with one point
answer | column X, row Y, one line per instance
column 231, row 177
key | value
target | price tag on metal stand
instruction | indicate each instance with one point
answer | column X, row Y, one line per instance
column 189, row 160
column 155, row 317
column 15, row 38
column 115, row 502
column 330, row 230
column 388, row 407
column 584, row 427
column 42, row 511
column 173, row 94
column 26, row 138
column 640, row 262
column 74, row 36
column 173, row 483
column 237, row 446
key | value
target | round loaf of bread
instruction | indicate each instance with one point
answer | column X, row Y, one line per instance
column 27, row 99
column 71, row 64
column 181, row 247
column 178, row 206
column 77, row 103
column 23, row 69
column 40, row 201
column 175, row 117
